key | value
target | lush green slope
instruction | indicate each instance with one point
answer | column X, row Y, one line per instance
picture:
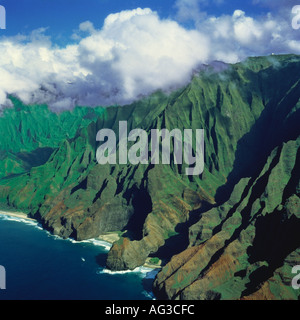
column 31, row 133
column 250, row 114
column 247, row 246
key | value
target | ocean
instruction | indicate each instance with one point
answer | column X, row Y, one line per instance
column 40, row 266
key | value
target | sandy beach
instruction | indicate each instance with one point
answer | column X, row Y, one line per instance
column 16, row 215
column 110, row 237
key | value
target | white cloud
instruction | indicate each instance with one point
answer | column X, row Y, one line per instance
column 134, row 54
column 235, row 37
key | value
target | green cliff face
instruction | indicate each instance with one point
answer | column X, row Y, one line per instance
column 30, row 134
column 230, row 233
column 241, row 249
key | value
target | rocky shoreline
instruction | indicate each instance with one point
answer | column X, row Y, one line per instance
column 110, row 237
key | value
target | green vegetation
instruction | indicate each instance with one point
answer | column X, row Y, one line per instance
column 154, row 260
column 32, row 133
column 236, row 223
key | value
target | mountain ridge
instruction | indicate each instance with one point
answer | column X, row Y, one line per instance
column 250, row 116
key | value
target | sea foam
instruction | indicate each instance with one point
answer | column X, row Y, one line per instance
column 143, row 271
column 22, row 220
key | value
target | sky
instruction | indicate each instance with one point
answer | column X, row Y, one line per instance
column 103, row 52
column 61, row 17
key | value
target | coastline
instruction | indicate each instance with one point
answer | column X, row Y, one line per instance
column 109, row 238
column 27, row 249
column 20, row 215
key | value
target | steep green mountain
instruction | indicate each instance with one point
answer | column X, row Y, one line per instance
column 231, row 233
column 31, row 133
column 245, row 248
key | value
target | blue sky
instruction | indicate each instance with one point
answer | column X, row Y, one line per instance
column 62, row 17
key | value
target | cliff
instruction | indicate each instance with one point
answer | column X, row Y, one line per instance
column 230, row 233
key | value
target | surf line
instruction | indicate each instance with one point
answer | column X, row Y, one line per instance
column 138, row 153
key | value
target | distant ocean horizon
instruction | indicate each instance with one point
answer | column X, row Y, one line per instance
column 40, row 266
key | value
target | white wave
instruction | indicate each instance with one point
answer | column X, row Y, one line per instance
column 54, row 236
column 143, row 271
column 17, row 219
column 95, row 242
column 106, row 245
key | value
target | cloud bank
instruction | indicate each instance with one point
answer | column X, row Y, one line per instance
column 135, row 53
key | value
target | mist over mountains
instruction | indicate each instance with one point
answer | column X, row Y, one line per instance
column 134, row 54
